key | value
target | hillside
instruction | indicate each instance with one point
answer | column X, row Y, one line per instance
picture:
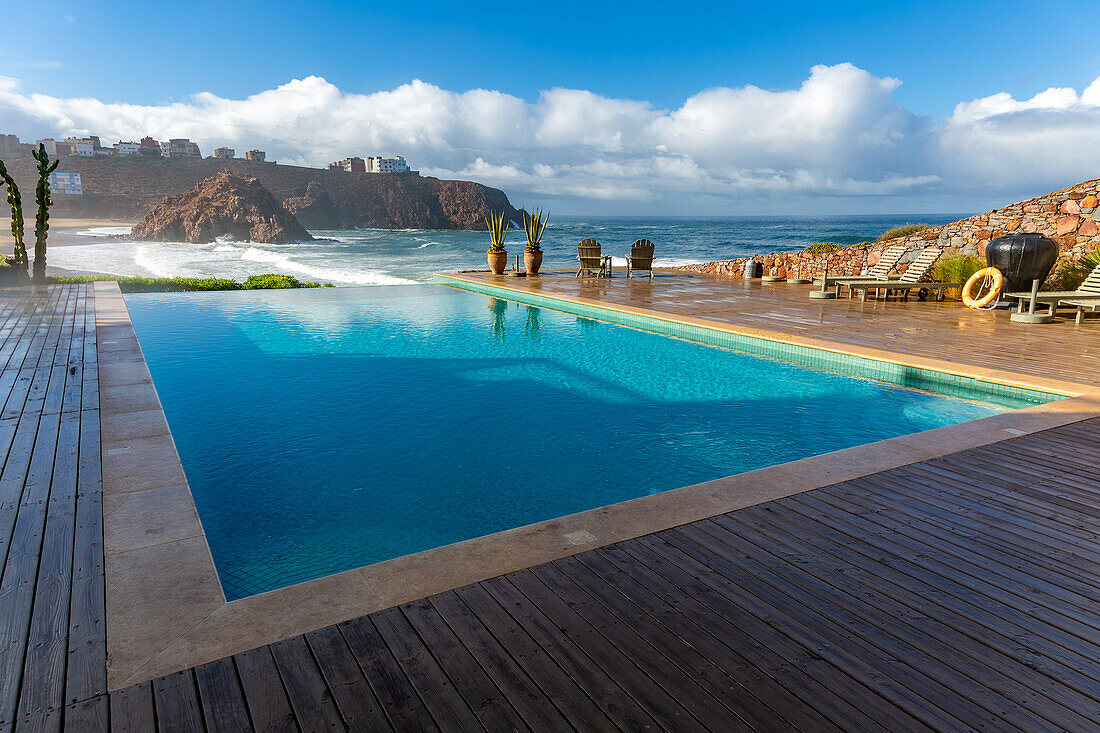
column 1068, row 216
column 125, row 188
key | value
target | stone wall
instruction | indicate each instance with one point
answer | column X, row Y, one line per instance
column 1067, row 216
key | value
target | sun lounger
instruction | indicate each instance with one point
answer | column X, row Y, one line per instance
column 911, row 279
column 1086, row 296
column 880, row 271
column 593, row 262
column 640, row 258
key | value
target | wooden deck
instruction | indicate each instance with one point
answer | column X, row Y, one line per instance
column 940, row 596
column 956, row 593
column 52, row 626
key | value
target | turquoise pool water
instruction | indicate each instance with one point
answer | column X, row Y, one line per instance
column 326, row 429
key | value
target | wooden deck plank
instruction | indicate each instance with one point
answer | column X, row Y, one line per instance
column 268, row 705
column 431, row 683
column 536, row 709
column 21, row 567
column 905, row 706
column 395, row 692
column 91, row 715
column 842, row 555
column 479, row 691
column 48, row 643
column 350, row 689
column 973, row 670
column 309, row 696
column 86, row 672
column 177, row 703
column 971, row 581
column 568, row 648
column 1039, row 592
column 132, row 709
column 778, row 655
column 725, row 702
column 223, row 706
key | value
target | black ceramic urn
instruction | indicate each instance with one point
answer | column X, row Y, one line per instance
column 1022, row 258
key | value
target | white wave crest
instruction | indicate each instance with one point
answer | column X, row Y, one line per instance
column 331, row 274
column 102, row 231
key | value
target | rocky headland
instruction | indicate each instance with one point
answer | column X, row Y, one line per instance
column 224, row 204
column 125, row 188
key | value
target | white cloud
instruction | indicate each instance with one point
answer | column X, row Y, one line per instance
column 840, row 134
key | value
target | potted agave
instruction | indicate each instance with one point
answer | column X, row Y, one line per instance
column 498, row 225
column 535, row 225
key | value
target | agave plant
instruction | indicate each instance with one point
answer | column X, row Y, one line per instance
column 535, row 225
column 498, row 225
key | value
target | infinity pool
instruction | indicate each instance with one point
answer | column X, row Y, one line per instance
column 323, row 430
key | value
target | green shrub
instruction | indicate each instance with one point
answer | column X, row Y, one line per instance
column 1068, row 274
column 276, row 282
column 863, row 245
column 192, row 284
column 820, row 248
column 956, row 269
column 903, row 231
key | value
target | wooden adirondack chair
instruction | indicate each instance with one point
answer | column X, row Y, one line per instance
column 640, row 258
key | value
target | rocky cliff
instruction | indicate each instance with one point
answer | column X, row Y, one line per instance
column 124, row 188
column 316, row 209
column 1068, row 216
column 225, row 204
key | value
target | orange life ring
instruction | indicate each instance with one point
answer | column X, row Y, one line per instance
column 978, row 279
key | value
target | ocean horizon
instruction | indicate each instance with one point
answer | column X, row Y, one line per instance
column 397, row 257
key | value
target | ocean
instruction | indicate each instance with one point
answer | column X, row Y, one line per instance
column 396, row 257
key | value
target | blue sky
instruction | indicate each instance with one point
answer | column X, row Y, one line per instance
column 943, row 54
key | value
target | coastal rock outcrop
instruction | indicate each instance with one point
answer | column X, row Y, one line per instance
column 316, row 209
column 225, row 204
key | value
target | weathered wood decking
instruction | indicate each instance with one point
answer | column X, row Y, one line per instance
column 954, row 593
column 52, row 626
column 947, row 595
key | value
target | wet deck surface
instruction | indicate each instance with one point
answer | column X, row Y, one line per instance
column 947, row 331
column 955, row 593
column 52, row 622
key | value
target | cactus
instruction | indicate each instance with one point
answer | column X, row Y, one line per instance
column 42, row 218
column 16, row 204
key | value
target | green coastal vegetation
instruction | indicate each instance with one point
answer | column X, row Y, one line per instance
column 902, row 231
column 1068, row 274
column 193, row 284
column 820, row 248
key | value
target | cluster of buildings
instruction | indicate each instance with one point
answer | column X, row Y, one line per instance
column 69, row 184
column 91, row 147
column 375, row 164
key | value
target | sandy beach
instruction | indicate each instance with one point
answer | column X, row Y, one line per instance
column 63, row 233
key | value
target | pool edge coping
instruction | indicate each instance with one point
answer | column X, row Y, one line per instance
column 165, row 606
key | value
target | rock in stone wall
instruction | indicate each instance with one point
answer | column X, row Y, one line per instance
column 1067, row 216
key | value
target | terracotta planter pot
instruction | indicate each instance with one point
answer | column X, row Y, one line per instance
column 497, row 262
column 532, row 261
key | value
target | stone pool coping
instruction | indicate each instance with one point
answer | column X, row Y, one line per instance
column 165, row 607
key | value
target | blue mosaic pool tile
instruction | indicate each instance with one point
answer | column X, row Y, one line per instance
column 954, row 385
